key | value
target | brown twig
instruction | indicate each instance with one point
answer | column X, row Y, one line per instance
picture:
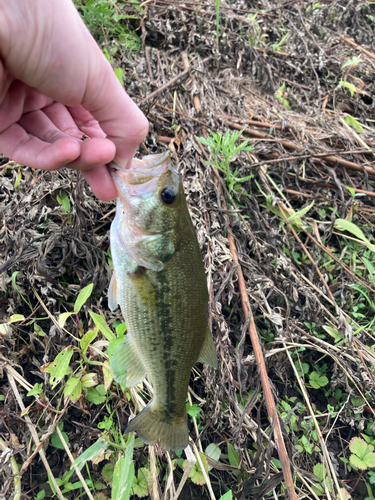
column 270, row 402
column 290, row 145
column 296, row 84
column 251, row 122
column 168, row 84
column 179, row 113
column 350, row 42
column 333, row 186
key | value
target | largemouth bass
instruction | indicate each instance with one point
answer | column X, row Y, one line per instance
column 160, row 285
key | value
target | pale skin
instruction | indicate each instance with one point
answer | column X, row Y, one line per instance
column 55, row 87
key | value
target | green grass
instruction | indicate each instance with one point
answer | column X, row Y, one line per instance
column 105, row 21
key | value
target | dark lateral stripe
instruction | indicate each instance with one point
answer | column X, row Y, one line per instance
column 167, row 324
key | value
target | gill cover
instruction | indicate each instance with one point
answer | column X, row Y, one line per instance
column 144, row 228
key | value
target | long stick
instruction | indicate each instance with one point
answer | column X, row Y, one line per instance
column 289, row 145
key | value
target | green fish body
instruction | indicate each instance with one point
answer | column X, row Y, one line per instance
column 160, row 284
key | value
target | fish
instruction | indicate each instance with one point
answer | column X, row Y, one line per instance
column 160, row 284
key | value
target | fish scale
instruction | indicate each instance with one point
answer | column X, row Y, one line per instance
column 160, row 285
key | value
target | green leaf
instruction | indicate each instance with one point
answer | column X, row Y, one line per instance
column 106, row 54
column 56, row 441
column 302, row 368
column 87, row 339
column 92, row 452
column 38, row 330
column 100, row 322
column 296, row 217
column 319, row 471
column 351, row 190
column 196, row 474
column 63, row 199
column 89, row 380
column 345, row 494
column 352, row 89
column 279, row 94
column 107, row 374
column 227, row 496
column 14, row 276
column 123, row 474
column 323, row 478
column 352, row 122
column 345, row 225
column 15, row 317
column 317, row 381
column 140, row 483
column 83, row 296
column 356, row 401
column 362, row 457
column 214, row 452
column 359, row 447
column 107, row 473
column 51, row 485
column 106, row 423
column 357, row 462
column 119, row 72
column 333, row 332
column 38, row 388
column 72, row 389
column 121, row 329
column 370, row 460
column 63, row 317
column 114, row 344
column 351, row 62
column 233, row 456
column 59, row 367
column 96, row 395
column 193, row 410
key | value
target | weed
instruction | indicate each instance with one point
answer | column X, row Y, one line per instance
column 278, row 46
column 321, row 474
column 104, row 19
column 280, row 96
column 256, row 36
column 223, row 150
column 352, row 122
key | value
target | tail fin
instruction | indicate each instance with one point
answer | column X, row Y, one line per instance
column 154, row 425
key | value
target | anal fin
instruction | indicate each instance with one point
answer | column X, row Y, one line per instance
column 126, row 364
column 208, row 352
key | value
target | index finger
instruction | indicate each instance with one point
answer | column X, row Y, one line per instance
column 118, row 116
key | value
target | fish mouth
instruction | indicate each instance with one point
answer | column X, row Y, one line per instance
column 142, row 171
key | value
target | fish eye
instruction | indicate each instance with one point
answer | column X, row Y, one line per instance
column 168, row 195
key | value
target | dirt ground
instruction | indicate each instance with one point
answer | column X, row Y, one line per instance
column 298, row 78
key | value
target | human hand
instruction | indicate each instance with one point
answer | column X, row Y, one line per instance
column 55, row 87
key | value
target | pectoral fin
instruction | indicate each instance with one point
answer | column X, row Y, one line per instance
column 144, row 287
column 126, row 364
column 112, row 293
column 208, row 351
